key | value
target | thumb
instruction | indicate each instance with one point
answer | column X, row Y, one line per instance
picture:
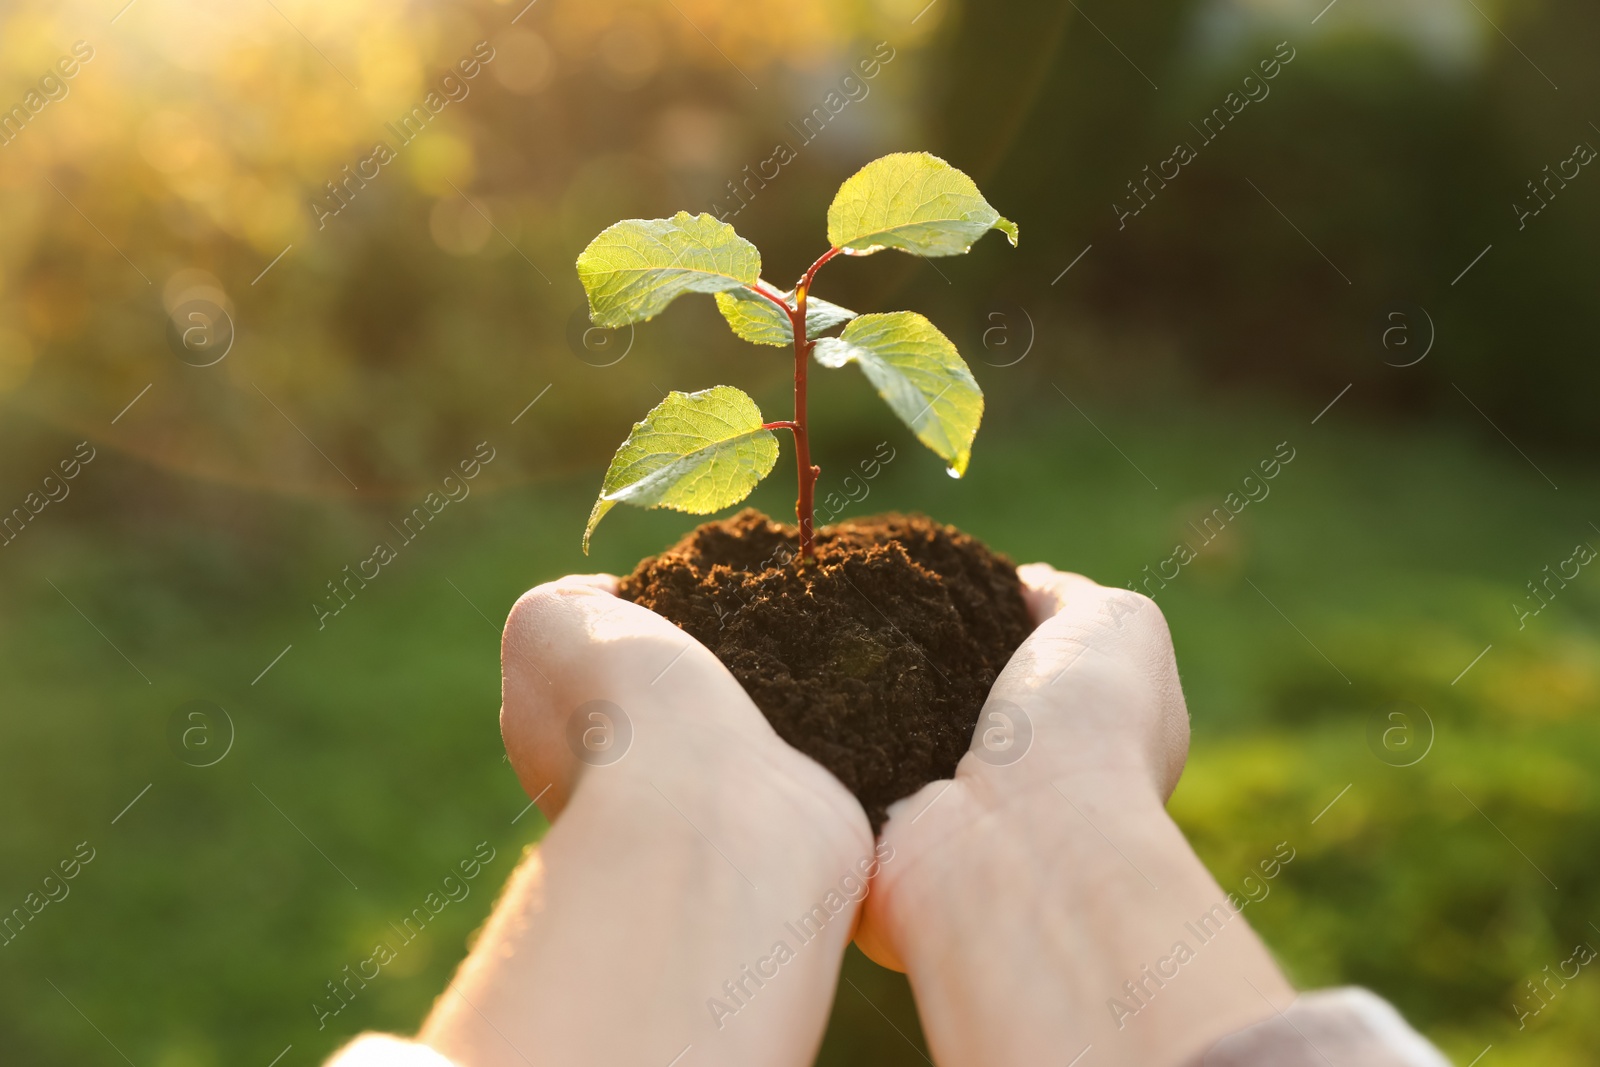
column 588, row 679
column 1095, row 686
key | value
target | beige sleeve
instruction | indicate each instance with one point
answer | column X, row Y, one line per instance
column 381, row 1050
column 1338, row 1027
column 1333, row 1028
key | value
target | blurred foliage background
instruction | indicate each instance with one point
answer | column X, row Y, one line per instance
column 1136, row 370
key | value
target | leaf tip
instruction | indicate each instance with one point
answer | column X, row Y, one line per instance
column 598, row 512
column 1007, row 227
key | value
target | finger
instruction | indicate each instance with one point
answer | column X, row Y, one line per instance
column 874, row 935
column 587, row 678
column 1048, row 591
column 870, row 939
column 1095, row 682
column 1072, row 615
column 606, row 583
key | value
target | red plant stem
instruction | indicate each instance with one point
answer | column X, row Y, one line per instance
column 806, row 471
column 761, row 290
column 811, row 272
column 805, row 506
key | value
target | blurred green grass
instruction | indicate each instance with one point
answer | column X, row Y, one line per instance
column 207, row 923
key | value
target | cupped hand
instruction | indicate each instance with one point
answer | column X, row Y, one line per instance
column 598, row 688
column 1029, row 897
column 700, row 879
column 1090, row 701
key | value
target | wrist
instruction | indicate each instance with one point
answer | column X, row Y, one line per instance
column 1081, row 886
column 703, row 780
column 986, row 831
column 1040, row 848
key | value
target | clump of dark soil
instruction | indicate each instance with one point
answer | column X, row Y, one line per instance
column 874, row 659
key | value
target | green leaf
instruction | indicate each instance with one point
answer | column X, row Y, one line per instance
column 636, row 267
column 915, row 202
column 755, row 318
column 694, row 452
column 919, row 373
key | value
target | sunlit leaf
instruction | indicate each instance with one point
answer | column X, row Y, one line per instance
column 755, row 318
column 915, row 202
column 636, row 267
column 694, row 452
column 919, row 373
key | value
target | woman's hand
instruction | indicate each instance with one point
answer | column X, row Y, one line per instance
column 701, row 879
column 1033, row 898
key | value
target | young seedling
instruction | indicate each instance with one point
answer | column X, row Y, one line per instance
column 701, row 452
